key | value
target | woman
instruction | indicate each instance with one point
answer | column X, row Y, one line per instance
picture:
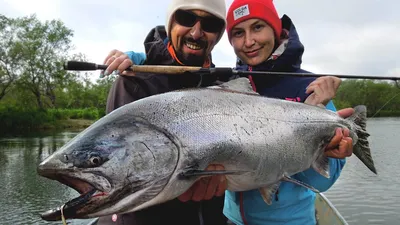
column 264, row 42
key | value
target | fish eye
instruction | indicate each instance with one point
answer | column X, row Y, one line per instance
column 95, row 161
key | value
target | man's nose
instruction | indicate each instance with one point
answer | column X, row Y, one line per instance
column 196, row 32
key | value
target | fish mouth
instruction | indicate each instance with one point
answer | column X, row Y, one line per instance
column 88, row 194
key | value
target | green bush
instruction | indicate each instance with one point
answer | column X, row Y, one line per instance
column 14, row 118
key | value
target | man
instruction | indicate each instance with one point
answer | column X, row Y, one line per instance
column 193, row 28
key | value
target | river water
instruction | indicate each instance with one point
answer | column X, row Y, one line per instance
column 359, row 195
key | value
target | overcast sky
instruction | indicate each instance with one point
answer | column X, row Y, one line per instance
column 340, row 37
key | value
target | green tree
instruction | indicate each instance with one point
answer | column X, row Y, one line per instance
column 378, row 96
column 43, row 47
column 35, row 90
column 10, row 52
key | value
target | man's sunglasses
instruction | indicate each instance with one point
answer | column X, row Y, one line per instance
column 209, row 24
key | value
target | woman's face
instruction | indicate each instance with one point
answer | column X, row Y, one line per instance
column 253, row 41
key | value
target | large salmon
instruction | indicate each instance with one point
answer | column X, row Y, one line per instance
column 152, row 150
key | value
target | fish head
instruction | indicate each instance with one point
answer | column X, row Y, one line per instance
column 115, row 165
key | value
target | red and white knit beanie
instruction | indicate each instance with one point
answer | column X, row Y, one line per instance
column 242, row 10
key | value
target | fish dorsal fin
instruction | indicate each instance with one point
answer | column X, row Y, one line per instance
column 241, row 84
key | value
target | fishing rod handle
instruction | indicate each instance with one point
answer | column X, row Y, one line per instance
column 87, row 66
column 163, row 69
column 82, row 66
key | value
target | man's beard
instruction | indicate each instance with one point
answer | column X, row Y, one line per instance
column 192, row 59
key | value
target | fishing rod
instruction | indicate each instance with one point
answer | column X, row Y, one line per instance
column 218, row 71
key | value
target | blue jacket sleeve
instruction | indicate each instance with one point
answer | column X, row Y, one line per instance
column 138, row 58
column 316, row 180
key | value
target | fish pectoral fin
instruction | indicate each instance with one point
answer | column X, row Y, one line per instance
column 294, row 181
column 321, row 165
column 268, row 192
column 202, row 173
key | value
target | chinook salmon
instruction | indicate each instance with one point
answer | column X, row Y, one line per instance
column 152, row 150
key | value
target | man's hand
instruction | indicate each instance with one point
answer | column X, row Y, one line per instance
column 341, row 145
column 207, row 187
column 323, row 89
column 117, row 61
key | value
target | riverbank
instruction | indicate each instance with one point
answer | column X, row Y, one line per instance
column 67, row 124
column 14, row 120
column 72, row 125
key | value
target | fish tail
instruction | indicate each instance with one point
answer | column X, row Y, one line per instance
column 361, row 149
